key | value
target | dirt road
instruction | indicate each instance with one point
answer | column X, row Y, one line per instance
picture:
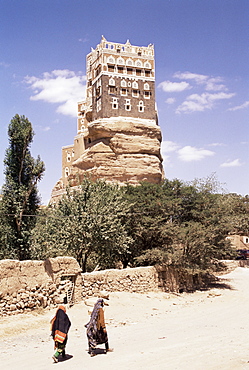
column 200, row 331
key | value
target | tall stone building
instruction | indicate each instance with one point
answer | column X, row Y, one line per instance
column 118, row 138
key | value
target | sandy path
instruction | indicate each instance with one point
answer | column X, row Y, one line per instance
column 203, row 330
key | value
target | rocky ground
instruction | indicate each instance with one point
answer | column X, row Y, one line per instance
column 202, row 330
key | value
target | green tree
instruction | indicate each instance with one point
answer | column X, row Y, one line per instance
column 20, row 198
column 89, row 224
column 178, row 223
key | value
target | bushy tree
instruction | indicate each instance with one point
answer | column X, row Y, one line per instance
column 89, row 224
column 177, row 223
column 20, row 198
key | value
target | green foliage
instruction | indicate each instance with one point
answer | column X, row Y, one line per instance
column 174, row 223
column 178, row 224
column 89, row 225
column 20, row 199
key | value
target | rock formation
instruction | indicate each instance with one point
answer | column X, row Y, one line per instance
column 121, row 150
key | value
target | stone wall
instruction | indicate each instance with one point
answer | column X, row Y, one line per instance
column 28, row 285
column 139, row 280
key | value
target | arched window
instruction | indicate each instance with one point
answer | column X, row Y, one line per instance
column 68, row 157
column 123, row 83
column 120, row 61
column 67, row 172
column 114, row 103
column 146, row 86
column 138, row 63
column 147, row 65
column 141, row 106
column 129, row 62
column 111, row 82
column 134, row 85
column 128, row 104
column 111, row 60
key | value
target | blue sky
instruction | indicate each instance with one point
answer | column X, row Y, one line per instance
column 202, row 77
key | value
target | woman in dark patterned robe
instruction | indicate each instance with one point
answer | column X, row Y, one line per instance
column 96, row 330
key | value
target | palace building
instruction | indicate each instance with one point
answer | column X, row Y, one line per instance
column 117, row 125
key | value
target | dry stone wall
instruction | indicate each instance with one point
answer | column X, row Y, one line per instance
column 139, row 280
column 28, row 285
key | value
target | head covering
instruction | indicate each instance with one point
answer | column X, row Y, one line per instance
column 95, row 336
column 60, row 325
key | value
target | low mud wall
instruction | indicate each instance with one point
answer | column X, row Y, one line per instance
column 141, row 280
column 28, row 285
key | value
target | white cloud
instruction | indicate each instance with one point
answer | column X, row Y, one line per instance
column 217, row 144
column 214, row 84
column 3, row 64
column 42, row 128
column 169, row 146
column 204, row 101
column 84, row 40
column 242, row 106
column 210, row 83
column 190, row 153
column 169, row 86
column 63, row 87
column 199, row 79
column 170, row 101
column 235, row 163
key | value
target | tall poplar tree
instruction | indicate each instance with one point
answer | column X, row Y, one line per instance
column 20, row 200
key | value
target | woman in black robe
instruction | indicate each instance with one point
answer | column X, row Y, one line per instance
column 60, row 325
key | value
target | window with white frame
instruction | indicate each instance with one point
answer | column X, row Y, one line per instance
column 112, row 89
column 146, row 86
column 111, row 82
column 129, row 62
column 138, row 63
column 111, row 60
column 135, row 93
column 141, row 106
column 114, row 103
column 128, row 104
column 67, row 172
column 146, row 94
column 123, row 83
column 98, row 108
column 111, row 68
column 120, row 61
column 68, row 157
column 134, row 85
column 123, row 91
column 147, row 65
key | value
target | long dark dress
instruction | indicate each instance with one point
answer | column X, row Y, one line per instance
column 95, row 327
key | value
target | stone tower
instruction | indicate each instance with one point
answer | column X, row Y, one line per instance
column 118, row 138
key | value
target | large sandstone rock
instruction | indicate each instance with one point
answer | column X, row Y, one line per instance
column 122, row 150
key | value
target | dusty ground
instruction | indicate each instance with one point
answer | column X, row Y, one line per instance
column 198, row 331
